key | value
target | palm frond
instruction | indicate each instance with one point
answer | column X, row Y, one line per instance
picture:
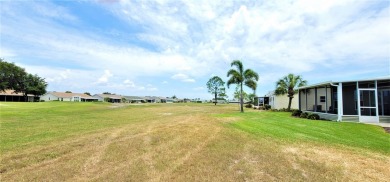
column 249, row 74
column 238, row 65
column 251, row 84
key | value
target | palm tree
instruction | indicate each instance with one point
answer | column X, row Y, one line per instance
column 288, row 85
column 240, row 77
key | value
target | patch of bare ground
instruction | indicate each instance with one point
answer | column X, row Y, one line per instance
column 387, row 129
column 347, row 165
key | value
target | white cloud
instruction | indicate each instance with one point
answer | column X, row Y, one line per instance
column 164, row 82
column 182, row 77
column 104, row 78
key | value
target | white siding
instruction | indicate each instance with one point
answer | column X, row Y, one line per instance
column 48, row 97
column 281, row 101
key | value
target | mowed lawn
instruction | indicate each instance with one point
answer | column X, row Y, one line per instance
column 59, row 141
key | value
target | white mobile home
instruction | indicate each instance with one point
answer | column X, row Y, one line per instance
column 70, row 97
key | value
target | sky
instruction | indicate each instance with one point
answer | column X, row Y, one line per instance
column 166, row 48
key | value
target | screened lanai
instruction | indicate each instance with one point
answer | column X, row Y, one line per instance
column 360, row 101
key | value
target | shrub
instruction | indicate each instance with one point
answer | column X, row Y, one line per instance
column 248, row 105
column 267, row 107
column 296, row 113
column 42, row 101
column 303, row 115
column 283, row 110
column 274, row 110
column 313, row 117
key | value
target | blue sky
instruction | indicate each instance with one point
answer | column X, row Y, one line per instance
column 165, row 48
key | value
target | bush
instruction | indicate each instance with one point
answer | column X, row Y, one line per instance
column 42, row 101
column 274, row 110
column 267, row 107
column 283, row 110
column 248, row 105
column 313, row 117
column 303, row 115
column 296, row 112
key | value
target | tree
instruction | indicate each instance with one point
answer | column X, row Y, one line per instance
column 251, row 98
column 174, row 97
column 216, row 87
column 108, row 93
column 242, row 77
column 68, row 91
column 16, row 78
column 87, row 93
column 288, row 85
column 34, row 85
column 11, row 76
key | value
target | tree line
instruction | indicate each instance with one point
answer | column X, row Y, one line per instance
column 248, row 77
column 16, row 78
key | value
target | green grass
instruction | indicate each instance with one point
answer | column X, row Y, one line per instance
column 27, row 124
column 283, row 127
column 65, row 141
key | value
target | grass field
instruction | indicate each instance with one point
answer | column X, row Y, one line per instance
column 59, row 141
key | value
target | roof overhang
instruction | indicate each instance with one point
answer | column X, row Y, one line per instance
column 335, row 83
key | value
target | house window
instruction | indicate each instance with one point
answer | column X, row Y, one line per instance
column 322, row 98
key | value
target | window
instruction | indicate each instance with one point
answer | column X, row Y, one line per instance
column 322, row 99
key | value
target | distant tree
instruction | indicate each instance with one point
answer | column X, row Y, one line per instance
column 68, row 91
column 87, row 93
column 174, row 97
column 251, row 97
column 34, row 85
column 216, row 86
column 107, row 93
column 289, row 85
column 242, row 77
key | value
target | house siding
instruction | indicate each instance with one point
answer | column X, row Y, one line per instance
column 350, row 118
column 48, row 97
column 384, row 119
column 281, row 101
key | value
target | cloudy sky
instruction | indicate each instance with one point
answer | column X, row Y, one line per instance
column 166, row 48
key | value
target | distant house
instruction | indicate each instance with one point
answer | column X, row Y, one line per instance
column 152, row 99
column 134, row 99
column 167, row 100
column 365, row 100
column 108, row 98
column 281, row 101
column 11, row 96
column 220, row 101
column 70, row 97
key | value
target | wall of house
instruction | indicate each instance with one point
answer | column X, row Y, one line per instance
column 328, row 98
column 48, row 97
column 311, row 99
column 281, row 101
column 98, row 97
